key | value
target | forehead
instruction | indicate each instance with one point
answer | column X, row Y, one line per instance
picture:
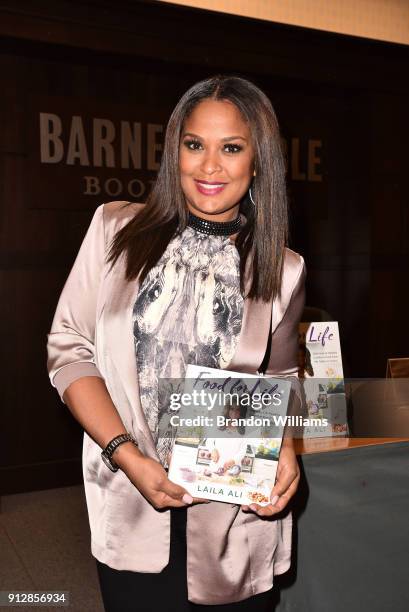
column 221, row 116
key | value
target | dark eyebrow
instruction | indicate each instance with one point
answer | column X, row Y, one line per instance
column 223, row 139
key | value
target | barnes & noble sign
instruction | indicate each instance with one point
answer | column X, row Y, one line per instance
column 80, row 159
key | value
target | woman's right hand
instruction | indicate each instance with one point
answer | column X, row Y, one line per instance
column 90, row 403
column 151, row 479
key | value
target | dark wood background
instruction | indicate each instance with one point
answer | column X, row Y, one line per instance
column 133, row 61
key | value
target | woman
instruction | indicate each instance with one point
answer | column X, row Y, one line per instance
column 200, row 274
column 233, row 449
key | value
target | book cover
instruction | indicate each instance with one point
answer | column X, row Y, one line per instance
column 227, row 443
column 321, row 368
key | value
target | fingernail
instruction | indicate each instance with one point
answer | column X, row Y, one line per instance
column 275, row 499
column 187, row 498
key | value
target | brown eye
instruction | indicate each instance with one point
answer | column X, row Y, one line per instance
column 192, row 145
column 233, row 148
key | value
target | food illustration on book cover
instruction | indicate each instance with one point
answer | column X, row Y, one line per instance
column 227, row 445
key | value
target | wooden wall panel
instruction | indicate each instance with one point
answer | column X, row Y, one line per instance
column 351, row 226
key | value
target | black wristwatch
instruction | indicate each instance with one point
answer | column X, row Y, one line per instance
column 112, row 446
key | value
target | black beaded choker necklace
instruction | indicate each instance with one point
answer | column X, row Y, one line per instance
column 219, row 228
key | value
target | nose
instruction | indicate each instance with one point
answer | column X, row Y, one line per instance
column 210, row 162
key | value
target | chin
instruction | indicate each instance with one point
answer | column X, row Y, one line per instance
column 210, row 207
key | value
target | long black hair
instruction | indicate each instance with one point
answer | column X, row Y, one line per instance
column 264, row 235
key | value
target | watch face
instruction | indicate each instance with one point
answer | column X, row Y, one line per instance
column 108, row 463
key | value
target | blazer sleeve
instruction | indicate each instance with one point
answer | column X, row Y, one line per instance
column 70, row 342
column 284, row 342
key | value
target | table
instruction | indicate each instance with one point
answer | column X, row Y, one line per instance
column 351, row 530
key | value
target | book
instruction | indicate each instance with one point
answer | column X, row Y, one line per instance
column 227, row 443
column 321, row 368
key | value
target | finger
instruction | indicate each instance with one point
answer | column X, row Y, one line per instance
column 274, row 507
column 175, row 491
column 170, row 502
column 268, row 510
column 161, row 501
column 252, row 507
column 275, row 498
column 280, row 503
column 167, row 501
column 285, row 498
column 284, row 481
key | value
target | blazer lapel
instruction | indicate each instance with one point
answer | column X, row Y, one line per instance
column 118, row 332
column 255, row 328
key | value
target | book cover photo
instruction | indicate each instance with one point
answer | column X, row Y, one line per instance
column 320, row 361
column 227, row 444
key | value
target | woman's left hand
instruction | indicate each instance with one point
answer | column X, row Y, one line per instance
column 288, row 477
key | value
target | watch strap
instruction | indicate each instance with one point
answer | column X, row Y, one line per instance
column 111, row 448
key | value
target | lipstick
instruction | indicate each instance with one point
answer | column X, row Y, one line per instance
column 209, row 187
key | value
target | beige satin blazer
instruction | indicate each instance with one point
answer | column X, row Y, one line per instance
column 231, row 555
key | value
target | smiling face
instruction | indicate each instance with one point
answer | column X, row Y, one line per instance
column 216, row 160
column 234, row 412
